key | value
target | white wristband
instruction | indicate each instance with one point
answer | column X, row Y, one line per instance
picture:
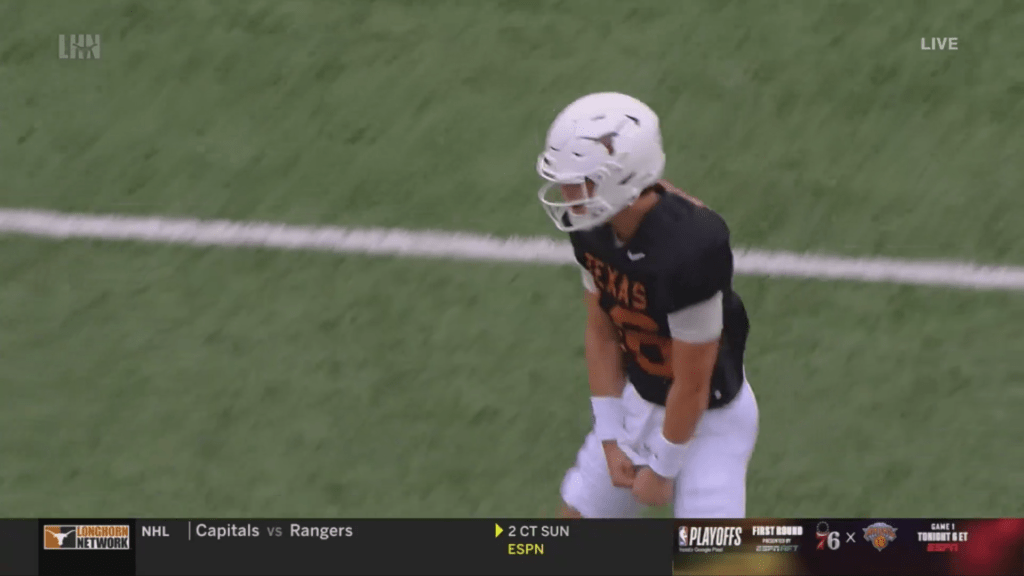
column 666, row 457
column 609, row 417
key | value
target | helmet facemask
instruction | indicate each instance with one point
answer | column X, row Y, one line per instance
column 600, row 199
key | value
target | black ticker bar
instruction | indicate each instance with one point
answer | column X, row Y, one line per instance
column 264, row 547
column 19, row 544
column 970, row 547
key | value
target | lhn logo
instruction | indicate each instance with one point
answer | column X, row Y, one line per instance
column 87, row 537
column 79, row 47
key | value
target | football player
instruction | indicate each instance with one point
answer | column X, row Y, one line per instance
column 675, row 420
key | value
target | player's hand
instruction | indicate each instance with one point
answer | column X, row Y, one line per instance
column 651, row 489
column 619, row 465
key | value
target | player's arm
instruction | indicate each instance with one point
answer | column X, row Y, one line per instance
column 604, row 364
column 603, row 352
column 696, row 332
column 694, row 353
column 607, row 381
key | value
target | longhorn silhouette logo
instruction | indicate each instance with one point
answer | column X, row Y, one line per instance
column 605, row 140
column 56, row 534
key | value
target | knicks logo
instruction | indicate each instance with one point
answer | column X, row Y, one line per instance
column 880, row 535
column 87, row 537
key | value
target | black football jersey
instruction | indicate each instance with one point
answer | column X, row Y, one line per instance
column 679, row 256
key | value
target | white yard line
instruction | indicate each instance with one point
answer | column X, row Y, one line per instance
column 457, row 245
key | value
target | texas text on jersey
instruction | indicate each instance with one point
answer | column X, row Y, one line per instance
column 679, row 256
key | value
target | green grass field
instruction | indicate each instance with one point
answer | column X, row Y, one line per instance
column 149, row 380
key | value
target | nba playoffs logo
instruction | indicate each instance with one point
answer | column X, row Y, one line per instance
column 709, row 538
column 880, row 535
column 85, row 537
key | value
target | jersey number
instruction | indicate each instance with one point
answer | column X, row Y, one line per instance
column 638, row 330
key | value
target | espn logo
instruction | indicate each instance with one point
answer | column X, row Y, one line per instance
column 88, row 537
column 943, row 547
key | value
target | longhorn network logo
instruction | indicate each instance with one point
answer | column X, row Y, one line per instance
column 87, row 537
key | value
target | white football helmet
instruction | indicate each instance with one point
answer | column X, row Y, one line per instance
column 612, row 140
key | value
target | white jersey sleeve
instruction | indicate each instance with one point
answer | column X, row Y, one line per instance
column 588, row 281
column 698, row 323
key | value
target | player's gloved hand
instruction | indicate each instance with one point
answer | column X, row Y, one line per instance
column 620, row 467
column 651, row 489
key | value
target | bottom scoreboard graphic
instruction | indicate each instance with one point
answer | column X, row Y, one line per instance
column 86, row 537
column 849, row 546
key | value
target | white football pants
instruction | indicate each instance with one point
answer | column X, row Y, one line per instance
column 712, row 483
